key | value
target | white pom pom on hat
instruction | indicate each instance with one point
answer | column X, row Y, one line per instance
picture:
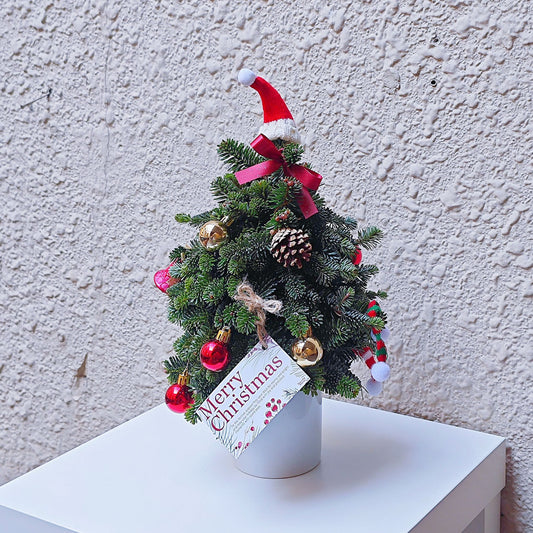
column 278, row 122
column 246, row 77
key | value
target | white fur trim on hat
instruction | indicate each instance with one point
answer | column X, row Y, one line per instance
column 284, row 128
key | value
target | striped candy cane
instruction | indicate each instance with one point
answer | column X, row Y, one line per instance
column 372, row 386
column 379, row 370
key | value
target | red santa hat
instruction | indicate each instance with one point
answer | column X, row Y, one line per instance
column 278, row 121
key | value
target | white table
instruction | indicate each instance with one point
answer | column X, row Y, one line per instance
column 380, row 473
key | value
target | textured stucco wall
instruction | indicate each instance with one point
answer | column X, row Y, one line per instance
column 416, row 112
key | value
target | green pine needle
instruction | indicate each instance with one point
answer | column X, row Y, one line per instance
column 238, row 156
column 369, row 238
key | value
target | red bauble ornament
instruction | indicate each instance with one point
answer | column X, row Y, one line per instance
column 163, row 280
column 214, row 354
column 179, row 397
column 357, row 257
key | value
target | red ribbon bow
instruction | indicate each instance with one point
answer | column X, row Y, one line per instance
column 308, row 178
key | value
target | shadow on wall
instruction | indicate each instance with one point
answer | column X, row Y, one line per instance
column 510, row 498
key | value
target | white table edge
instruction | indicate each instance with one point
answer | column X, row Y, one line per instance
column 489, row 474
column 494, row 460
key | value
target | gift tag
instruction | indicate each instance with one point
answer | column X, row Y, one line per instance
column 251, row 395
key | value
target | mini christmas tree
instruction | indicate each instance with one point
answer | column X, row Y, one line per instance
column 272, row 231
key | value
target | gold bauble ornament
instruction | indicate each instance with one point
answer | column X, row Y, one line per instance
column 307, row 351
column 213, row 235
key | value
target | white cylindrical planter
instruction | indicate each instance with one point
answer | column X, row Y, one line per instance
column 290, row 445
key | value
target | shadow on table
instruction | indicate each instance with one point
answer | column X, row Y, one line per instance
column 349, row 460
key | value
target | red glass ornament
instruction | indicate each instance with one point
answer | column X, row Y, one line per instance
column 179, row 397
column 357, row 257
column 214, row 355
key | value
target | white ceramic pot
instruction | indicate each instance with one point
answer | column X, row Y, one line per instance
column 290, row 445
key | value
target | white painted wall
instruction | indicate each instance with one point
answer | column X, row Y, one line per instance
column 141, row 95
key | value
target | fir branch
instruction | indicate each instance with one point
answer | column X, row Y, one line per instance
column 293, row 152
column 297, row 324
column 376, row 322
column 238, row 156
column 206, row 262
column 347, row 270
column 280, row 196
column 230, row 314
column 369, row 238
column 183, row 218
column 173, row 367
column 172, row 313
column 246, row 321
column 316, row 318
column 223, row 186
column 325, row 269
column 259, row 189
column 191, row 415
column 201, row 219
column 317, row 379
column 365, row 272
column 177, row 253
column 382, row 295
column 199, row 323
column 349, row 387
column 231, row 285
column 214, row 292
column 295, row 286
column 355, row 318
column 351, row 223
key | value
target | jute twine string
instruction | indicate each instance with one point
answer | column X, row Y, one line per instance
column 256, row 305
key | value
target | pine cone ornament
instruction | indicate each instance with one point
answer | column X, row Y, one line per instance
column 291, row 247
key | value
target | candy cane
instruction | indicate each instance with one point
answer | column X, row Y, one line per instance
column 379, row 370
column 372, row 386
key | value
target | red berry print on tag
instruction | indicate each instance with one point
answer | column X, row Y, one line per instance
column 274, row 408
column 252, row 428
column 267, row 421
